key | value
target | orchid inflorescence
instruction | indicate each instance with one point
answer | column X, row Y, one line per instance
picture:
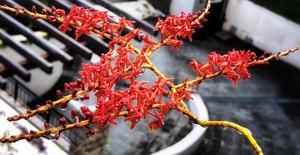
column 124, row 62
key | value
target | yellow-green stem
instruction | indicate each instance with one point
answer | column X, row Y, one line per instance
column 244, row 131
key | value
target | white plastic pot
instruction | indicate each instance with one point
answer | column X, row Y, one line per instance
column 187, row 6
column 190, row 142
column 185, row 146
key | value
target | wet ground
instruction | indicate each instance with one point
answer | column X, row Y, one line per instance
column 268, row 103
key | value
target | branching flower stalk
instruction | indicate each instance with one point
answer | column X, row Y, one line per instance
column 141, row 100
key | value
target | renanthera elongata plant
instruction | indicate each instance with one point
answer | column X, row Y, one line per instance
column 124, row 61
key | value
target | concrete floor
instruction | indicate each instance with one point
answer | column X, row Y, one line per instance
column 268, row 103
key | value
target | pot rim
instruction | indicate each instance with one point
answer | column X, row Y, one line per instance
column 191, row 141
column 186, row 145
